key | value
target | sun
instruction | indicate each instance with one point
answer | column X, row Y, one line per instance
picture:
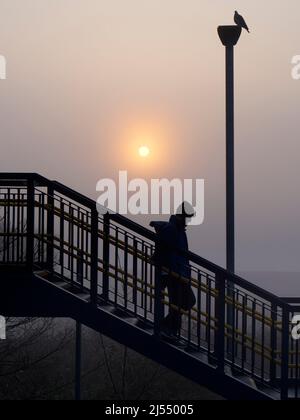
column 144, row 151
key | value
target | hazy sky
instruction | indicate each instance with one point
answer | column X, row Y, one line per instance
column 87, row 78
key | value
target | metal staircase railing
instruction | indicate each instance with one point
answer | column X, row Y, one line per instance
column 46, row 226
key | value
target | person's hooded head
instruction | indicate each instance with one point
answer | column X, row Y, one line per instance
column 184, row 212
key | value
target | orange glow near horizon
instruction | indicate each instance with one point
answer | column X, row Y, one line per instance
column 143, row 146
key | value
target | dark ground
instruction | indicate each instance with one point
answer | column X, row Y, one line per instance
column 37, row 363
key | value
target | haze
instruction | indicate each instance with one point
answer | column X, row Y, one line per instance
column 88, row 79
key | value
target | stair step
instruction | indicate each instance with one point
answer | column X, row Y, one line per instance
column 44, row 274
column 247, row 380
column 54, row 280
column 75, row 290
column 126, row 317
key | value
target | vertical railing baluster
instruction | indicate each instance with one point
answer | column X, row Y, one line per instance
column 18, row 225
column 71, row 243
column 106, row 255
column 94, row 255
column 152, row 281
column 285, row 353
column 87, row 243
column 273, row 367
column 82, row 244
column 8, row 244
column 5, row 229
column 253, row 336
column 209, row 314
column 199, row 309
column 62, row 238
column 207, row 332
column 30, row 225
column 190, row 316
column 237, row 319
column 13, row 228
column 158, row 304
column 135, row 274
column 126, row 271
column 78, row 244
column 144, row 286
column 292, row 344
column 44, row 235
column 23, row 229
column 80, row 268
column 145, row 279
column 263, row 342
column 220, row 315
column 40, row 238
column 297, row 370
column 50, row 229
column 244, row 330
column 233, row 295
column 69, row 231
column 116, row 292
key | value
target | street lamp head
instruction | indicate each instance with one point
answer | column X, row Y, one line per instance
column 229, row 35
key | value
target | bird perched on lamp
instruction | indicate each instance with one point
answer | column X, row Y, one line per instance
column 240, row 21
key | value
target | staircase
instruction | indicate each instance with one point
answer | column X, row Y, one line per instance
column 59, row 258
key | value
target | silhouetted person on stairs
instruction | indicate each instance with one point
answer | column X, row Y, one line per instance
column 172, row 238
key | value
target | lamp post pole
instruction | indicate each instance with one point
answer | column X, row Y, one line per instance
column 229, row 36
column 230, row 190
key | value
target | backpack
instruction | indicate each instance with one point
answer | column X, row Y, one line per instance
column 158, row 227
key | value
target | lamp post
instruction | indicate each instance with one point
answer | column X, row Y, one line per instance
column 229, row 36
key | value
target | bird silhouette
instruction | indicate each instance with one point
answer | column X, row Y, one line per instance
column 240, row 21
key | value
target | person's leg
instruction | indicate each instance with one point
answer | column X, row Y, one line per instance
column 175, row 300
column 166, row 323
column 178, row 315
